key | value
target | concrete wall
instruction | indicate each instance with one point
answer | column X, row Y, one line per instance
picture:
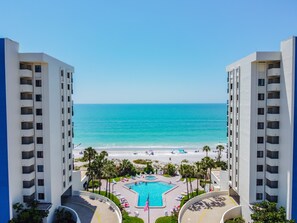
column 234, row 212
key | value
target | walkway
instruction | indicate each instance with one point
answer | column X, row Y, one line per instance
column 90, row 210
column 208, row 210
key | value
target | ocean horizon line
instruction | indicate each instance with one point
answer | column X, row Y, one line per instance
column 175, row 103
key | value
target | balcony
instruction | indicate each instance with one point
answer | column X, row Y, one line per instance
column 28, row 147
column 272, row 132
column 271, row 191
column 25, row 73
column 27, row 103
column 272, row 117
column 28, row 191
column 27, row 132
column 272, row 176
column 272, row 147
column 26, row 88
column 271, row 162
column 273, row 87
column 273, row 102
column 28, row 162
column 28, row 176
column 27, row 118
column 273, row 72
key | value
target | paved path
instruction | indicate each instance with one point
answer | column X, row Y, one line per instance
column 208, row 210
column 91, row 211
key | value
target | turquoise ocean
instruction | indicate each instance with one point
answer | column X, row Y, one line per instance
column 158, row 126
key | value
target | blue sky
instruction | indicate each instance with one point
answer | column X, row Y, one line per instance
column 157, row 51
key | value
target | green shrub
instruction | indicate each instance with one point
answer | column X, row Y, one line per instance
column 129, row 219
column 142, row 161
column 236, row 220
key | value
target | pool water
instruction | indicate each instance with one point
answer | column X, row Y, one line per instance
column 150, row 177
column 154, row 189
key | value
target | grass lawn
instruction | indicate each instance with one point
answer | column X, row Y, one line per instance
column 129, row 219
column 112, row 197
column 166, row 219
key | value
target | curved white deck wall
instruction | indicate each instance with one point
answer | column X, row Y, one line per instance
column 231, row 213
column 73, row 212
column 98, row 196
column 197, row 199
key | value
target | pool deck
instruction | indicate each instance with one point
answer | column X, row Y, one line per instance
column 169, row 200
column 208, row 210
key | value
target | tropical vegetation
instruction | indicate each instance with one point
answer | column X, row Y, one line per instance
column 30, row 213
column 268, row 212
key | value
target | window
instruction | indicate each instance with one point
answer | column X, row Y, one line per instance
column 272, row 154
column 37, row 68
column 40, row 196
column 63, row 159
column 259, row 168
column 64, row 172
column 39, row 168
column 38, row 97
column 272, row 169
column 63, row 123
column 40, row 182
column 69, row 122
column 69, row 133
column 69, row 155
column 68, row 98
column 261, row 82
column 39, row 140
column 271, row 198
column 62, row 98
column 259, row 182
column 68, row 110
column 64, row 184
column 260, row 140
column 272, row 184
column 62, row 110
column 68, row 75
column 39, row 126
column 261, row 97
column 70, row 178
column 68, row 86
column 259, row 196
column 260, row 154
column 69, row 145
column 62, row 73
column 63, row 147
column 273, row 139
column 38, row 111
column 38, row 83
column 260, row 125
column 39, row 154
column 273, row 110
column 260, row 111
column 62, row 86
column 69, row 167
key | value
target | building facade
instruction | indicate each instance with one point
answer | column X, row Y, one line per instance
column 262, row 131
column 36, row 129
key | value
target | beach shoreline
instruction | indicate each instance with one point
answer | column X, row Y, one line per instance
column 163, row 156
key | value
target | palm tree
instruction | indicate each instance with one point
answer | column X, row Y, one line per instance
column 99, row 163
column 209, row 164
column 185, row 172
column 199, row 173
column 89, row 154
column 206, row 149
column 220, row 148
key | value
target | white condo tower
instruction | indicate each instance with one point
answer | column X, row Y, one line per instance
column 36, row 129
column 262, row 131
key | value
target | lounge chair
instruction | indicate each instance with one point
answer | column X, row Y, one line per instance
column 136, row 213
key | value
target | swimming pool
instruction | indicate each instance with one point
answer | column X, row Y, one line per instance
column 150, row 177
column 154, row 189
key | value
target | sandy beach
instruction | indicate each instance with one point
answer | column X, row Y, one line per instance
column 162, row 156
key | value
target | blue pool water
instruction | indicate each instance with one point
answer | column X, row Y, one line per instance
column 150, row 177
column 154, row 189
